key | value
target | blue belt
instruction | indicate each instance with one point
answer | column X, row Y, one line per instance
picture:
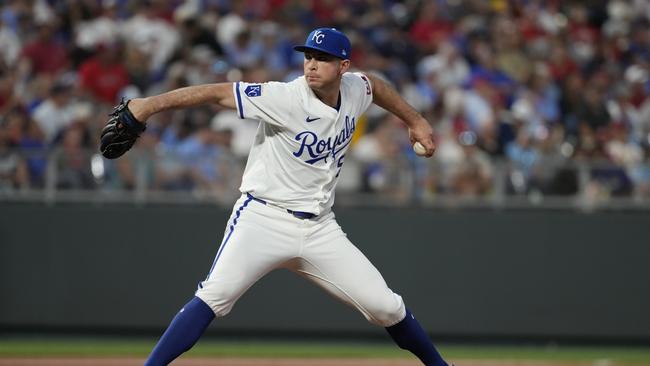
column 299, row 214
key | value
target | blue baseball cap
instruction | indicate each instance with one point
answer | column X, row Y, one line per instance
column 328, row 40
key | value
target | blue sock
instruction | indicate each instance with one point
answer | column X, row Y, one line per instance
column 409, row 335
column 186, row 328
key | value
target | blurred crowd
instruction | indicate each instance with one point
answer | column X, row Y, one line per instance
column 525, row 96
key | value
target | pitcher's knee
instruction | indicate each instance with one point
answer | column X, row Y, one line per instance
column 220, row 300
column 387, row 312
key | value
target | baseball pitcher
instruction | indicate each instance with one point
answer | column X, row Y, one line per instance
column 284, row 217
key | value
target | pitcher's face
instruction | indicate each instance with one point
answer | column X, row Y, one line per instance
column 322, row 69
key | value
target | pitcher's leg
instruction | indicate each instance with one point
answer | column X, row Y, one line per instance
column 343, row 271
column 251, row 247
column 254, row 243
column 409, row 335
column 185, row 329
column 331, row 261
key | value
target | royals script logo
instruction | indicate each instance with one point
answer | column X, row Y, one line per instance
column 316, row 149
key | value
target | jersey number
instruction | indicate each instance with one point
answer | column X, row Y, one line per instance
column 339, row 165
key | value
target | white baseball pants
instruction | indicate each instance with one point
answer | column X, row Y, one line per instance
column 260, row 238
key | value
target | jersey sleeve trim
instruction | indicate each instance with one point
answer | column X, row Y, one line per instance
column 240, row 107
column 365, row 78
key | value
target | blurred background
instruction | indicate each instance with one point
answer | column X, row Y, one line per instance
column 531, row 101
column 532, row 216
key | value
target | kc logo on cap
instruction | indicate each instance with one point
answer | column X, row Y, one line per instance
column 318, row 36
column 328, row 40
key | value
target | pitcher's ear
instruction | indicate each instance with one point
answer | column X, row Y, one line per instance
column 345, row 66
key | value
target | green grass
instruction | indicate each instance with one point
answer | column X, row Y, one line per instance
column 15, row 347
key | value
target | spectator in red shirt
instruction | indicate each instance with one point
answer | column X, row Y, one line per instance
column 44, row 55
column 560, row 63
column 430, row 29
column 103, row 75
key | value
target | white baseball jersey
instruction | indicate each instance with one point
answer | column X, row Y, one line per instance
column 301, row 143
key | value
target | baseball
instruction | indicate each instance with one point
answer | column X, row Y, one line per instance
column 419, row 148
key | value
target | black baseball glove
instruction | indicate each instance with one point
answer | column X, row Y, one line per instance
column 120, row 132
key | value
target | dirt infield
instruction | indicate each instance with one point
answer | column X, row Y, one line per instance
column 277, row 362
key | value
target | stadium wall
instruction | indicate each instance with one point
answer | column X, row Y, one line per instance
column 464, row 273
